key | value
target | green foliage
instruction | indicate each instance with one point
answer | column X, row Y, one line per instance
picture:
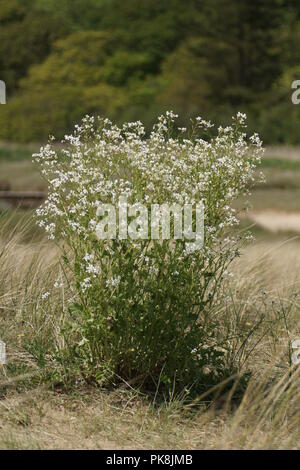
column 75, row 14
column 55, row 110
column 186, row 79
column 66, row 86
column 75, row 61
column 25, row 39
column 145, row 56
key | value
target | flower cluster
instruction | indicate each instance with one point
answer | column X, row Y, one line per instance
column 102, row 162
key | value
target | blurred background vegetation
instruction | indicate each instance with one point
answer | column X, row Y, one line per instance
column 133, row 59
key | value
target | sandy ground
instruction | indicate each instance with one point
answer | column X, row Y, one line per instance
column 276, row 221
column 283, row 152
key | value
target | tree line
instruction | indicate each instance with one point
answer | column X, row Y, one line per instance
column 133, row 59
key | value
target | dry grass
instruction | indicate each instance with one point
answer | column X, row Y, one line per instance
column 32, row 415
column 41, row 419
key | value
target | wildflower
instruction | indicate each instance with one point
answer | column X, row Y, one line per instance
column 113, row 282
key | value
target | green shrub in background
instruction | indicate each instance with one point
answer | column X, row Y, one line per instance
column 62, row 59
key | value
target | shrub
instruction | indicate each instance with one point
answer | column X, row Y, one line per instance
column 145, row 310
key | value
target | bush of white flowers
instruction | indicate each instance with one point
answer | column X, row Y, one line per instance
column 145, row 309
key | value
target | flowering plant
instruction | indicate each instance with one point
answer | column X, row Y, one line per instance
column 145, row 308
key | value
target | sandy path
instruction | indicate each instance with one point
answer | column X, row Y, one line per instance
column 276, row 221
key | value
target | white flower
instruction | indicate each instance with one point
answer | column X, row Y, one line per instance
column 113, row 282
column 85, row 284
